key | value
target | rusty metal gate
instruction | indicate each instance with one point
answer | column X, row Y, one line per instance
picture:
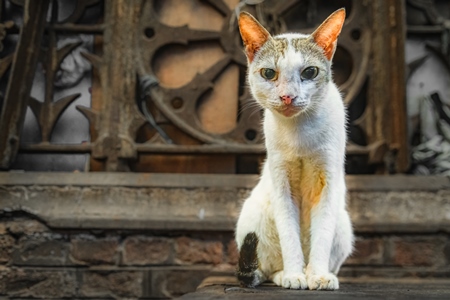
column 140, row 120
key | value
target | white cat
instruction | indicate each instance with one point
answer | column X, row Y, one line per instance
column 294, row 228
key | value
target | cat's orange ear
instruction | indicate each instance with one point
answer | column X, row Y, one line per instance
column 253, row 34
column 326, row 35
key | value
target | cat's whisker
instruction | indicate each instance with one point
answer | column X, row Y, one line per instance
column 254, row 112
column 304, row 163
column 249, row 106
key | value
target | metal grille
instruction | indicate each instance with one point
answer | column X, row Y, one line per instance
column 368, row 66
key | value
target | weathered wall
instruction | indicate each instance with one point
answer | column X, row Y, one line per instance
column 43, row 263
column 93, row 241
column 38, row 262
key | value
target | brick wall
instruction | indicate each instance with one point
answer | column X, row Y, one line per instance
column 400, row 255
column 108, row 235
column 37, row 262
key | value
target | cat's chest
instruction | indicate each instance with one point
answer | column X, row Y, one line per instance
column 296, row 140
column 306, row 181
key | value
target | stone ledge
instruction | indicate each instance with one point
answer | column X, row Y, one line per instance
column 227, row 288
column 209, row 202
column 97, row 179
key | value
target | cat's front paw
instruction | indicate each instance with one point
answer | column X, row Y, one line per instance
column 295, row 281
column 327, row 281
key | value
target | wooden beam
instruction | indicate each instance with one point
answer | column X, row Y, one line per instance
column 21, row 79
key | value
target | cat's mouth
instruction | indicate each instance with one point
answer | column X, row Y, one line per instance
column 289, row 110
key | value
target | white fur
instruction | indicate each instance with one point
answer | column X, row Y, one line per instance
column 317, row 136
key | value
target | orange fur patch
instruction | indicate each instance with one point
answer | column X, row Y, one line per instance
column 326, row 35
column 253, row 34
column 307, row 181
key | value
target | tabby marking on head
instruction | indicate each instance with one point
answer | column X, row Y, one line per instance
column 297, row 213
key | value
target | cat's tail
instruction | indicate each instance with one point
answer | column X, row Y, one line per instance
column 248, row 273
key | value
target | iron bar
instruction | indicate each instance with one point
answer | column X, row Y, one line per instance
column 22, row 74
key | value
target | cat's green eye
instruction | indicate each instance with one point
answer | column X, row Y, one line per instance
column 310, row 73
column 269, row 74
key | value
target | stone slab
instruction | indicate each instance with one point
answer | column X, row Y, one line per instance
column 209, row 202
column 354, row 182
column 227, row 288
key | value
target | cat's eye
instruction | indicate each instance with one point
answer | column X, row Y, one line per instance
column 310, row 73
column 268, row 74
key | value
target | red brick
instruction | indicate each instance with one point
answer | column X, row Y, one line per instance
column 112, row 283
column 171, row 282
column 182, row 282
column 418, row 251
column 368, row 251
column 25, row 226
column 447, row 252
column 224, row 268
column 3, row 228
column 94, row 251
column 45, row 250
column 6, row 246
column 147, row 251
column 232, row 253
column 190, row 251
column 43, row 284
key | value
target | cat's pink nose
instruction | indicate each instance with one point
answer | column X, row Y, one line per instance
column 287, row 100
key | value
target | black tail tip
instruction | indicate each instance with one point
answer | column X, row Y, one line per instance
column 248, row 261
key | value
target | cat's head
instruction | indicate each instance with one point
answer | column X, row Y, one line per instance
column 289, row 73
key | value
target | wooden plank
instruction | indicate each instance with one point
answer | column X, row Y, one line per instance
column 182, row 164
column 398, row 131
column 96, row 104
column 171, row 160
column 386, row 104
column 21, row 79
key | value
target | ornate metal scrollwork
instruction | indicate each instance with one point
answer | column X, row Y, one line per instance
column 132, row 42
column 179, row 105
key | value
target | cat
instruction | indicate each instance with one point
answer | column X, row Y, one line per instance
column 294, row 228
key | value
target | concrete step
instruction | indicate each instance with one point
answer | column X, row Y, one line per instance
column 227, row 287
column 162, row 234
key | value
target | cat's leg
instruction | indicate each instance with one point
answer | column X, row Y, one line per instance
column 286, row 217
column 277, row 278
column 343, row 242
column 248, row 232
column 324, row 218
